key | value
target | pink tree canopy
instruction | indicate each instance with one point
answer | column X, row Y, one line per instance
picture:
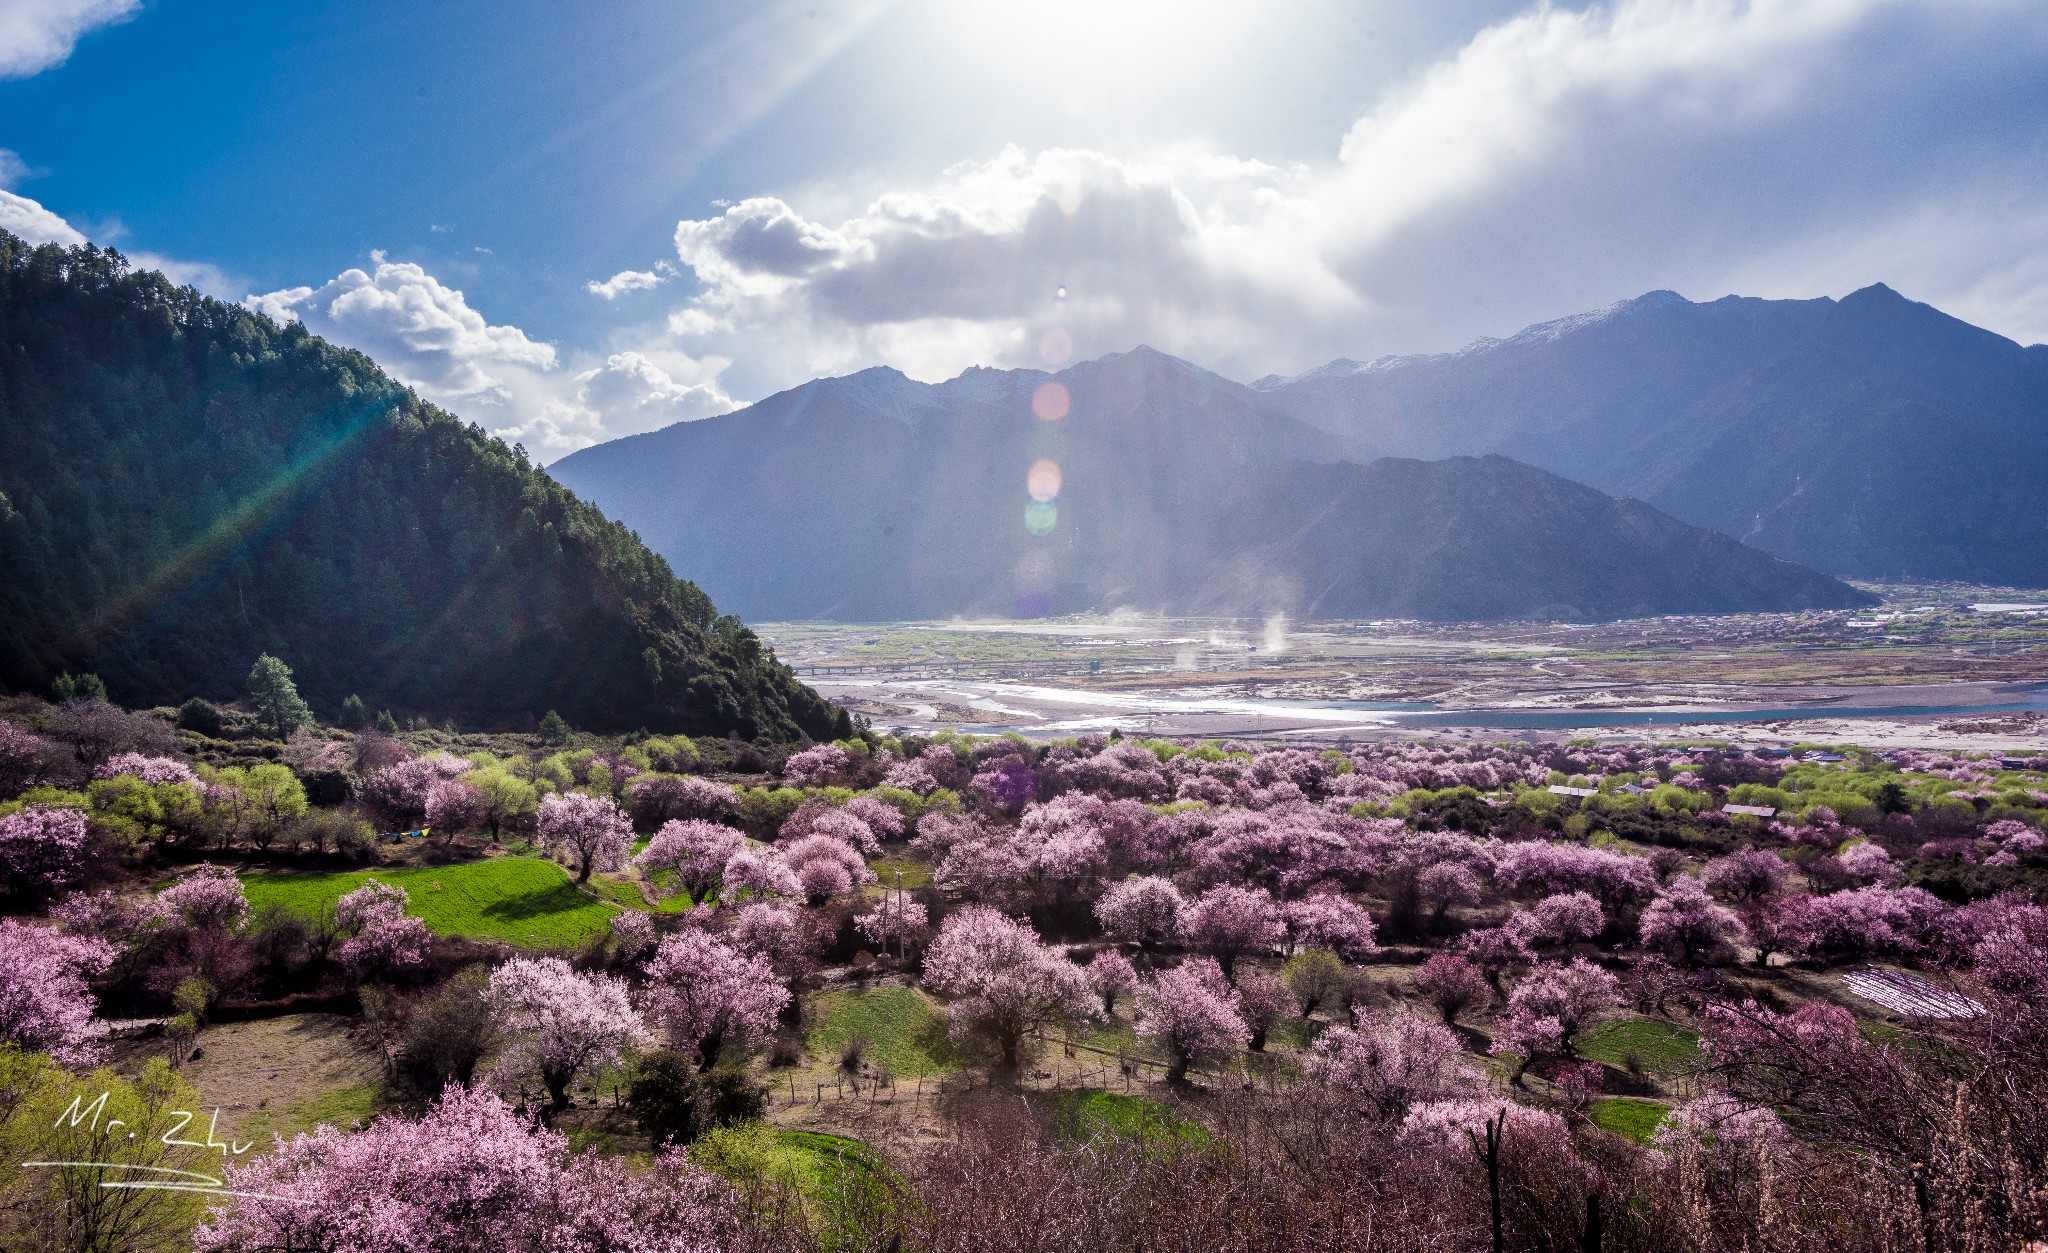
column 470, row 1176
column 42, row 850
column 590, row 829
column 693, row 851
column 1393, row 1062
column 757, row 872
column 1001, row 981
column 46, row 1004
column 1332, row 921
column 1191, row 1013
column 1688, row 922
column 383, row 938
column 1110, row 975
column 562, row 1023
column 1452, row 984
column 705, row 994
column 211, row 896
column 1143, row 909
column 826, row 867
column 1227, row 922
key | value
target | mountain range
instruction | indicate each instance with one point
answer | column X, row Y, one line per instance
column 1870, row 437
column 1149, row 483
column 185, row 485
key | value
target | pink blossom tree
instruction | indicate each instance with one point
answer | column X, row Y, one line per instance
column 1001, row 982
column 1227, row 922
column 46, row 1005
column 785, row 934
column 454, row 806
column 693, row 852
column 1391, row 1063
column 1143, row 909
column 398, row 792
column 1752, row 874
column 883, row 820
column 817, row 765
column 146, row 768
column 1451, row 983
column 1561, row 919
column 469, row 1176
column 633, row 935
column 706, row 994
column 1262, row 1003
column 1190, row 1012
column 757, row 872
column 1537, row 866
column 1570, row 997
column 1332, row 921
column 1495, row 950
column 1110, row 975
column 654, row 799
column 898, row 923
column 211, row 896
column 1007, row 783
column 42, row 850
column 1688, row 922
column 561, row 1023
column 25, row 758
column 382, row 938
column 589, row 829
column 1859, row 922
column 825, row 867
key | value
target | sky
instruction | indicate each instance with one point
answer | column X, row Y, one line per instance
column 575, row 222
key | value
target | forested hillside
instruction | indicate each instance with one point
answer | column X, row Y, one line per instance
column 185, row 485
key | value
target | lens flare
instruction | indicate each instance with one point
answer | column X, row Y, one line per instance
column 1051, row 401
column 1040, row 517
column 1056, row 347
column 1061, row 294
column 1043, row 479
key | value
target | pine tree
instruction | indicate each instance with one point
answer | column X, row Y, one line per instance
column 352, row 715
column 386, row 723
column 553, row 730
column 276, row 697
column 71, row 687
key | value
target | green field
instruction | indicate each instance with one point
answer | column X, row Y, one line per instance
column 521, row 900
column 1086, row 1114
column 1663, row 1048
column 905, row 1031
column 1638, row 1120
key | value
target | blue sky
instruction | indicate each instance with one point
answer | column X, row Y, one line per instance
column 574, row 222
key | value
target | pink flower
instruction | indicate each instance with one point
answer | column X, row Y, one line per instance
column 562, row 1023
column 1191, row 1013
column 1001, row 980
column 43, row 849
column 694, row 851
column 705, row 993
column 45, row 1003
column 590, row 829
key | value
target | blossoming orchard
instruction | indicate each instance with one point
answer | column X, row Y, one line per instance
column 956, row 992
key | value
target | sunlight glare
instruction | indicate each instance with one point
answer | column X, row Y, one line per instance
column 1088, row 50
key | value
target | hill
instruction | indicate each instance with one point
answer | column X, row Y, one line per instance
column 875, row 497
column 1476, row 538
column 185, row 485
column 1870, row 436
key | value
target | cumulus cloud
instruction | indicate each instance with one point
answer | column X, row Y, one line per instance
column 37, row 34
column 428, row 336
column 630, row 280
column 1559, row 161
column 413, row 325
column 32, row 222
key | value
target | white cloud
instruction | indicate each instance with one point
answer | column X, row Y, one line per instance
column 426, row 335
column 12, row 168
column 1559, row 161
column 37, row 34
column 423, row 332
column 32, row 222
column 627, row 280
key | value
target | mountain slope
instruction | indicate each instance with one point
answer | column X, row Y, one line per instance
column 874, row 497
column 1476, row 538
column 187, row 485
column 1871, row 436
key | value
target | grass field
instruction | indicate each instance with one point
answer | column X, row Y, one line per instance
column 1663, row 1048
column 1085, row 1115
column 1626, row 1116
column 521, row 900
column 905, row 1031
